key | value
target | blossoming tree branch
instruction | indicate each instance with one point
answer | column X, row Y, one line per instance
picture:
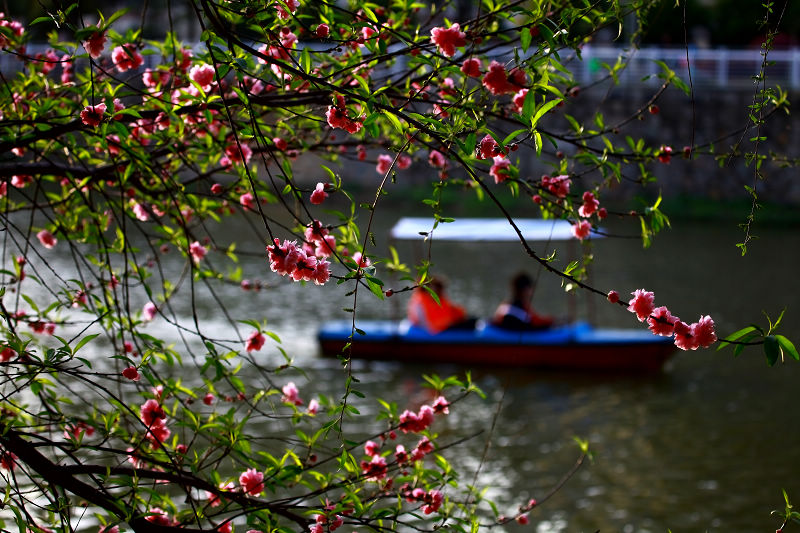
column 118, row 150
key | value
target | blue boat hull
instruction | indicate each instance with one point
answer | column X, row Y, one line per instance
column 575, row 346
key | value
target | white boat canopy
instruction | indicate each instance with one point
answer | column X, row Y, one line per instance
column 484, row 229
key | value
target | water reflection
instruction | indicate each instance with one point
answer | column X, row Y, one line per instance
column 706, row 446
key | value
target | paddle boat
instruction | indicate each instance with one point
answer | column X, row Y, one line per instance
column 573, row 346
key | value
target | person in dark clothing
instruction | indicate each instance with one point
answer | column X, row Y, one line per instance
column 517, row 314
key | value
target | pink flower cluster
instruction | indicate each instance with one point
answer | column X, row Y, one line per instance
column 590, row 205
column 557, row 185
column 126, row 57
column 423, row 448
column 337, row 117
column 448, row 39
column 661, row 322
column 432, row 500
column 252, row 482
column 153, row 416
column 420, row 421
column 498, row 81
column 47, row 239
column 374, row 469
column 500, row 169
column 197, row 252
column 319, row 195
column 581, row 229
column 291, row 394
column 288, row 259
column 324, row 522
column 92, row 115
column 471, row 67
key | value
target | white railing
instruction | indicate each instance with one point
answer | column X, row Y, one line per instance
column 716, row 68
column 710, row 68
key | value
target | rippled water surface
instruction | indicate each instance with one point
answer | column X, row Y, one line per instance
column 707, row 445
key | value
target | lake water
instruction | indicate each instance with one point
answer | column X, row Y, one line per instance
column 707, row 445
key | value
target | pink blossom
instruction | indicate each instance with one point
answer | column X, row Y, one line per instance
column 684, row 339
column 437, row 160
column 247, row 201
column 140, row 212
column 361, row 261
column 47, row 239
column 92, row 115
column 202, row 75
column 280, row 143
column 321, row 273
column 642, row 304
column 590, row 205
column 325, row 246
column 384, row 164
column 488, row 147
column 255, row 341
column 322, row 31
column 291, row 394
column 337, row 118
column 613, row 296
column 20, row 181
column 131, row 373
column 209, row 398
column 8, row 460
column 367, row 33
column 154, row 78
column 372, row 448
column 581, row 229
column 499, row 170
column 557, row 185
column 496, row 80
column 282, row 13
column 95, row 44
column 704, row 331
column 665, row 154
column 441, row 405
column 448, row 39
column 471, row 67
column 519, row 100
column 107, row 529
column 313, row 407
column 433, row 501
column 126, row 57
column 319, row 194
column 149, row 311
column 662, row 322
column 374, row 470
column 197, row 251
column 403, row 162
column 7, row 354
column 252, row 482
column 240, row 153
column 151, row 412
column 523, row 519
column 158, row 516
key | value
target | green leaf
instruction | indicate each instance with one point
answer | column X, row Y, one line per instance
column 772, row 349
column 735, row 336
column 542, row 110
column 83, row 342
column 395, row 121
column 787, row 347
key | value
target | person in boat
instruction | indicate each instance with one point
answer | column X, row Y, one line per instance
column 517, row 314
column 425, row 312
